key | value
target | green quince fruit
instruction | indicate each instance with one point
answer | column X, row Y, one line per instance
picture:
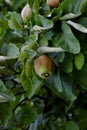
column 44, row 66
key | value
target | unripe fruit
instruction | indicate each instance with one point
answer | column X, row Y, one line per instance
column 44, row 66
column 26, row 12
column 53, row 3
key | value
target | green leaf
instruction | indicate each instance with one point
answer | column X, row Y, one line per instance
column 31, row 40
column 79, row 61
column 23, row 54
column 81, row 77
column 49, row 34
column 83, row 6
column 6, row 93
column 37, row 84
column 82, row 21
column 2, row 99
column 27, row 49
column 18, row 4
column 44, row 10
column 56, row 13
column 71, row 44
column 3, row 22
column 26, row 114
column 15, row 21
column 5, row 113
column 67, row 85
column 60, row 57
column 28, row 68
column 72, row 126
column 12, row 50
column 30, row 85
column 26, row 82
column 61, row 85
column 43, row 22
column 36, row 6
column 31, row 2
column 71, row 6
column 67, row 65
column 55, row 83
column 42, row 40
column 57, row 57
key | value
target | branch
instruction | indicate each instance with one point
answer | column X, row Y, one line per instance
column 5, row 58
column 19, row 104
column 49, row 49
column 77, row 26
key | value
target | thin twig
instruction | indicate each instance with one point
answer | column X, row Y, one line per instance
column 19, row 104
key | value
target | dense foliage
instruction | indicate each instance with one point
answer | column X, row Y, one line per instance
column 27, row 101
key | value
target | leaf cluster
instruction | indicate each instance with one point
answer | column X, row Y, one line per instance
column 28, row 102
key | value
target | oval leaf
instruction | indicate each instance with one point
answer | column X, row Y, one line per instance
column 6, row 93
column 83, row 6
column 28, row 68
column 72, row 126
column 15, row 21
column 71, row 6
column 12, row 50
column 79, row 60
column 55, row 83
column 43, row 22
column 81, row 77
column 71, row 43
